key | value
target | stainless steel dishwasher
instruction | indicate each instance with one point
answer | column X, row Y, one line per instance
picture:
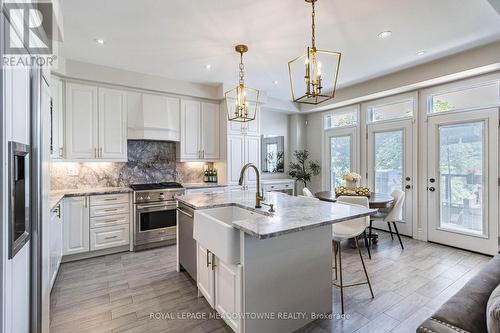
column 186, row 242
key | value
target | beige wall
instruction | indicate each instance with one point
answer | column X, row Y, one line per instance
column 477, row 61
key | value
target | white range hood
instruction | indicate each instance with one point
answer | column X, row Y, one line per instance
column 153, row 117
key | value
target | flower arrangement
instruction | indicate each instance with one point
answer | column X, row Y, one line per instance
column 352, row 177
column 351, row 180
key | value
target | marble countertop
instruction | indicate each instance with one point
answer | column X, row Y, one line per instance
column 202, row 185
column 292, row 214
column 57, row 196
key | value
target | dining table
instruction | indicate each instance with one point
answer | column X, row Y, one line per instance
column 375, row 201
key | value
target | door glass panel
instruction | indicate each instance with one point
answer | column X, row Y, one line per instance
column 461, row 178
column 389, row 158
column 340, row 163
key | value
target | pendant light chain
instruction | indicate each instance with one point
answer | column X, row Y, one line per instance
column 313, row 25
column 242, row 68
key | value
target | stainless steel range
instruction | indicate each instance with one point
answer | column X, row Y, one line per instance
column 155, row 218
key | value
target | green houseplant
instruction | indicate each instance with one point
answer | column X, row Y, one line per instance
column 302, row 169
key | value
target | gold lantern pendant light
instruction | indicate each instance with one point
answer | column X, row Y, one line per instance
column 242, row 101
column 321, row 71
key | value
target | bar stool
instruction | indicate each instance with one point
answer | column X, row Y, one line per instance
column 346, row 230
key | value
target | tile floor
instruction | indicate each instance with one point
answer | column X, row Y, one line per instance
column 120, row 292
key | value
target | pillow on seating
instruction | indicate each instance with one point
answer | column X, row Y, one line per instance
column 493, row 311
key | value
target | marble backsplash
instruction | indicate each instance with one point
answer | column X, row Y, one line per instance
column 148, row 162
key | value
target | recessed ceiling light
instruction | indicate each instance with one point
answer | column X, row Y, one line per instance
column 275, row 82
column 384, row 34
column 99, row 41
column 420, row 53
column 208, row 66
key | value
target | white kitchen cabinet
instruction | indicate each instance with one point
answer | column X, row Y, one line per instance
column 210, row 131
column 228, row 292
column 248, row 128
column 56, row 243
column 252, row 154
column 235, row 157
column 57, row 118
column 190, row 145
column 95, row 123
column 199, row 131
column 81, row 129
column 76, row 225
column 205, row 274
column 221, row 285
column 110, row 236
column 112, row 124
column 242, row 149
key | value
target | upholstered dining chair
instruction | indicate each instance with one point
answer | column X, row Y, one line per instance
column 346, row 230
column 392, row 215
column 307, row 193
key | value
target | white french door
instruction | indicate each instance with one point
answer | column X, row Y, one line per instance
column 462, row 184
column 390, row 165
column 341, row 154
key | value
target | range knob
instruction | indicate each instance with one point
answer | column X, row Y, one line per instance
column 162, row 196
column 148, row 198
column 140, row 198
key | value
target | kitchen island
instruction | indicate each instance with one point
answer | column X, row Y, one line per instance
column 263, row 271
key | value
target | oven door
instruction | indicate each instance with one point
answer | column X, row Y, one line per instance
column 155, row 222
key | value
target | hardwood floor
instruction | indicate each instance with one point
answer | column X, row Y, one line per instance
column 142, row 292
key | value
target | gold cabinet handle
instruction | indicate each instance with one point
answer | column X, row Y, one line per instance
column 111, row 210
column 212, row 261
column 208, row 258
column 111, row 237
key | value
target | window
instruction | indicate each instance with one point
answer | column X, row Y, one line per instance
column 396, row 110
column 341, row 118
column 484, row 95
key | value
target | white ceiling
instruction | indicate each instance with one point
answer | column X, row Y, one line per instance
column 176, row 39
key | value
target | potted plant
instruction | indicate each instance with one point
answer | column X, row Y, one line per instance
column 302, row 170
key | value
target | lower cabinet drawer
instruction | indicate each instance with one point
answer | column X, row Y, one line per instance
column 277, row 187
column 106, row 211
column 108, row 199
column 106, row 221
column 106, row 237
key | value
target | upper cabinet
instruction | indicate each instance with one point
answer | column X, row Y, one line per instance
column 96, row 123
column 81, row 121
column 153, row 117
column 199, row 131
column 112, row 124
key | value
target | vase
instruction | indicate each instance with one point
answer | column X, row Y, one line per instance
column 351, row 184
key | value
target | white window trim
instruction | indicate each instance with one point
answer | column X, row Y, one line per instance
column 457, row 87
column 391, row 100
column 346, row 109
